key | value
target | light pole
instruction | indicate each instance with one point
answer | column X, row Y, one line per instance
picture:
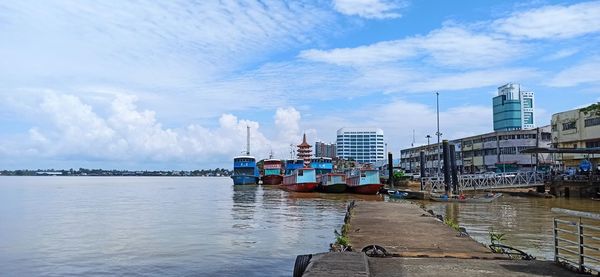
column 438, row 134
column 427, row 154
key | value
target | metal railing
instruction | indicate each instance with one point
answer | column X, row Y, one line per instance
column 489, row 181
column 577, row 242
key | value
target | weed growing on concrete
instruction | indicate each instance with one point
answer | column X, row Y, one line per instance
column 452, row 224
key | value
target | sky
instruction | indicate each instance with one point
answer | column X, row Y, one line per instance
column 173, row 84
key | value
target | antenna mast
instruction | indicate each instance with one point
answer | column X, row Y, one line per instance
column 247, row 140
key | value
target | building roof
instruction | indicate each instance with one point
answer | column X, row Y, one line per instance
column 304, row 143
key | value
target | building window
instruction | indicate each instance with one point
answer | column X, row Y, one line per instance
column 592, row 144
column 527, row 103
column 569, row 126
column 528, row 118
column 554, row 128
column 592, row 122
column 546, row 136
column 508, row 150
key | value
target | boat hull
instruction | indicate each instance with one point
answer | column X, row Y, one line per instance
column 467, row 200
column 333, row 188
column 244, row 180
column 365, row 189
column 300, row 187
column 272, row 180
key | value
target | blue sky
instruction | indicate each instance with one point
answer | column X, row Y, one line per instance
column 173, row 84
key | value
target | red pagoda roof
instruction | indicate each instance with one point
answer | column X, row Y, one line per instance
column 304, row 143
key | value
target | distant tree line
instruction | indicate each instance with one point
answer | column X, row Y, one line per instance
column 114, row 172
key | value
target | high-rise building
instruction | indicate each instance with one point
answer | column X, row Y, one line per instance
column 364, row 145
column 513, row 108
column 324, row 149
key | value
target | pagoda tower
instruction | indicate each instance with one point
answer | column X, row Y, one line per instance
column 304, row 151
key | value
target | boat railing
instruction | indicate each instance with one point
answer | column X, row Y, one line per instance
column 577, row 240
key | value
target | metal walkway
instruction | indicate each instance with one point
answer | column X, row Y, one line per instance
column 489, row 181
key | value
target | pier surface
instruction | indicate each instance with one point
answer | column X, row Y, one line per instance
column 418, row 245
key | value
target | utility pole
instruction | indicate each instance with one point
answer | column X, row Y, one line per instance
column 439, row 154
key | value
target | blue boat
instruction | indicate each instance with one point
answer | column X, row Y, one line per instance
column 245, row 171
column 322, row 165
column 292, row 165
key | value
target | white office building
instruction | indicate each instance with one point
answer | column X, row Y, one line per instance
column 364, row 145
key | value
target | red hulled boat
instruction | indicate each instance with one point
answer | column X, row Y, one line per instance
column 301, row 180
column 364, row 181
column 271, row 172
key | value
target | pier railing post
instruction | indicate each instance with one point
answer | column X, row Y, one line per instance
column 555, row 234
column 580, row 239
column 422, row 162
column 446, row 155
column 455, row 184
column 390, row 170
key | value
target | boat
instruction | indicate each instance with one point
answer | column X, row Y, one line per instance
column 245, row 171
column 272, row 172
column 322, row 165
column 328, row 181
column 292, row 165
column 364, row 181
column 300, row 180
column 332, row 183
column 485, row 199
column 398, row 194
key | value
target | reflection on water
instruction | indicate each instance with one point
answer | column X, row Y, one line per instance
column 527, row 222
column 159, row 226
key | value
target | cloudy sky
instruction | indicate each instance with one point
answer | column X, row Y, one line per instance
column 173, row 84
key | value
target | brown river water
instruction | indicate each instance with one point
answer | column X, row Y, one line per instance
column 160, row 226
column 526, row 221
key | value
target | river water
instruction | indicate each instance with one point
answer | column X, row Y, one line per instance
column 180, row 226
column 158, row 226
column 525, row 221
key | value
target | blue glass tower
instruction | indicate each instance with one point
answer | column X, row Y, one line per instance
column 513, row 108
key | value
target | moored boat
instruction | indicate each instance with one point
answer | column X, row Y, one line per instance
column 398, row 194
column 292, row 165
column 245, row 171
column 461, row 199
column 332, row 183
column 272, row 172
column 300, row 180
column 364, row 181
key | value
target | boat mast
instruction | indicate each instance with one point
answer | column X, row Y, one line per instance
column 247, row 140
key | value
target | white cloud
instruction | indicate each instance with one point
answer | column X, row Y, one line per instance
column 371, row 9
column 147, row 43
column 287, row 120
column 471, row 79
column 450, row 46
column 399, row 117
column 552, row 22
column 561, row 54
column 582, row 73
column 76, row 131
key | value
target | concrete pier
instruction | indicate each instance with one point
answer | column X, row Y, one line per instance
column 418, row 244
